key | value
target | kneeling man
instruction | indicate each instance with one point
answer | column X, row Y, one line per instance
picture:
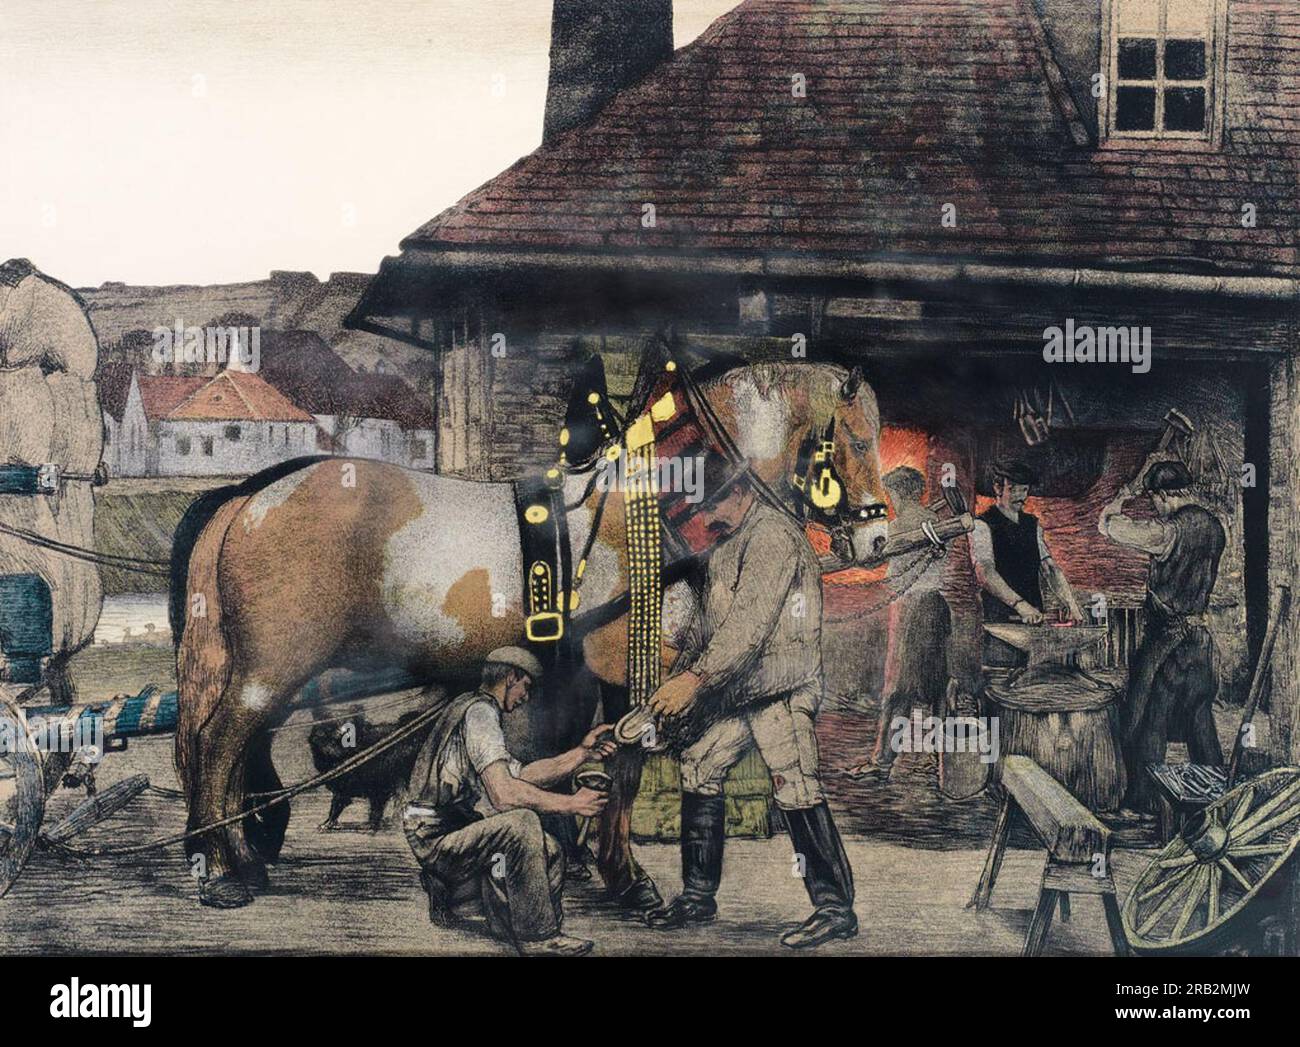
column 474, row 824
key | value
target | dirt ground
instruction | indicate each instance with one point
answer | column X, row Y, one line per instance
column 351, row 891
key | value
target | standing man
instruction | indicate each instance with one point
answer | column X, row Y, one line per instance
column 916, row 662
column 1012, row 560
column 1173, row 681
column 474, row 825
column 758, row 666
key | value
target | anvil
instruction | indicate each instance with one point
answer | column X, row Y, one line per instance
column 1046, row 643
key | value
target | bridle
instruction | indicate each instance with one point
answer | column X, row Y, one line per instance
column 820, row 493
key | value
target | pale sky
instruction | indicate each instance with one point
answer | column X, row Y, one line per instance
column 210, row 141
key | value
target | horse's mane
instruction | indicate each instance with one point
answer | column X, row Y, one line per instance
column 821, row 382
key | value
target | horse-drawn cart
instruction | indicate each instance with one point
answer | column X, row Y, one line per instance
column 44, row 747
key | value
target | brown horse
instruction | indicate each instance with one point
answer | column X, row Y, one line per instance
column 353, row 563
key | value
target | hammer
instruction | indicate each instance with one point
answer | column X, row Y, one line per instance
column 1177, row 425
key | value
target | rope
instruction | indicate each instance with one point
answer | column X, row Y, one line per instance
column 158, row 568
column 352, row 762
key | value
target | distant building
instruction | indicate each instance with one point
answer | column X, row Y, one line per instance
column 230, row 425
column 366, row 415
column 236, row 423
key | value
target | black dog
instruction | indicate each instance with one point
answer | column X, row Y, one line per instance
column 378, row 779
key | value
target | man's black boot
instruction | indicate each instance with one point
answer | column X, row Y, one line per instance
column 439, row 901
column 827, row 875
column 703, row 826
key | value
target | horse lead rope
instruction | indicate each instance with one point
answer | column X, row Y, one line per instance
column 352, row 762
column 158, row 568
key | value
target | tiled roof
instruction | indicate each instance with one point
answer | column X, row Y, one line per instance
column 162, row 394
column 302, row 366
column 387, row 396
column 235, row 396
column 911, row 104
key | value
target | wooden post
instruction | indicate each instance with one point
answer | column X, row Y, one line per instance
column 1284, row 542
column 1284, row 539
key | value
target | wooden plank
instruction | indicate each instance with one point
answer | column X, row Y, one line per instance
column 1068, row 830
column 95, row 809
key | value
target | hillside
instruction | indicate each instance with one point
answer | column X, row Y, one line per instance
column 286, row 301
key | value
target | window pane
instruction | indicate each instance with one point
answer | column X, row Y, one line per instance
column 1137, row 59
column 1185, row 60
column 1185, row 109
column 1188, row 18
column 1135, row 109
column 1139, row 17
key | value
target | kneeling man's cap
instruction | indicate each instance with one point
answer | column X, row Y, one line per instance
column 517, row 658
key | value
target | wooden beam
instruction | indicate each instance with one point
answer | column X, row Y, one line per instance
column 1069, row 831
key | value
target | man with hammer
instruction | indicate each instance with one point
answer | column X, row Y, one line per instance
column 1172, row 681
column 756, row 668
column 1012, row 559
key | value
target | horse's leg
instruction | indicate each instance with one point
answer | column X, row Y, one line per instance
column 265, row 830
column 235, row 730
column 216, row 762
column 624, row 878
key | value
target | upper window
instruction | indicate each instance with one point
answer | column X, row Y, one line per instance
column 1162, row 66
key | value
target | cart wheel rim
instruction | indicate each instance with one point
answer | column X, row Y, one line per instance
column 22, row 795
column 1212, row 871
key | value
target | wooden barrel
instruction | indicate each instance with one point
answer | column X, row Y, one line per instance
column 1068, row 724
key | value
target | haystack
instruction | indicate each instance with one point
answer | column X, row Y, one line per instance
column 49, row 413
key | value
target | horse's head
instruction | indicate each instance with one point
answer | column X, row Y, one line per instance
column 859, row 522
column 811, row 425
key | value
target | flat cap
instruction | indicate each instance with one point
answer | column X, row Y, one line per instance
column 517, row 658
column 1014, row 470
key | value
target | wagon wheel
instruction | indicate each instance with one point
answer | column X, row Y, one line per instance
column 22, row 795
column 1219, row 862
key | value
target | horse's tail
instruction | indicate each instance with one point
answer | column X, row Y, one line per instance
column 203, row 662
column 197, row 517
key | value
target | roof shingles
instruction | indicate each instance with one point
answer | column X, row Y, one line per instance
column 910, row 105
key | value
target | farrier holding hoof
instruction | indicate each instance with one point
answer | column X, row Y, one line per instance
column 474, row 824
column 757, row 665
column 1012, row 560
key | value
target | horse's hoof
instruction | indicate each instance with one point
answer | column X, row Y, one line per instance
column 224, row 892
column 641, row 898
column 325, row 827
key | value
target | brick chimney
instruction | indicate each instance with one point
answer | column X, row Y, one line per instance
column 598, row 48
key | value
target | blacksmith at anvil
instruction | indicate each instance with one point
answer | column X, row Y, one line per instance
column 474, row 825
column 755, row 666
column 1172, row 681
column 1012, row 560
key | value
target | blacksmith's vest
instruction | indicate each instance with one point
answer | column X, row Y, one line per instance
column 1181, row 583
column 1016, row 556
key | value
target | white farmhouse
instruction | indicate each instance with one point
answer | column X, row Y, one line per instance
column 232, row 424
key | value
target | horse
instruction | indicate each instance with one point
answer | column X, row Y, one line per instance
column 328, row 562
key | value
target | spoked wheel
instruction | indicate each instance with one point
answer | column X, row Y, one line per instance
column 1223, row 859
column 22, row 795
